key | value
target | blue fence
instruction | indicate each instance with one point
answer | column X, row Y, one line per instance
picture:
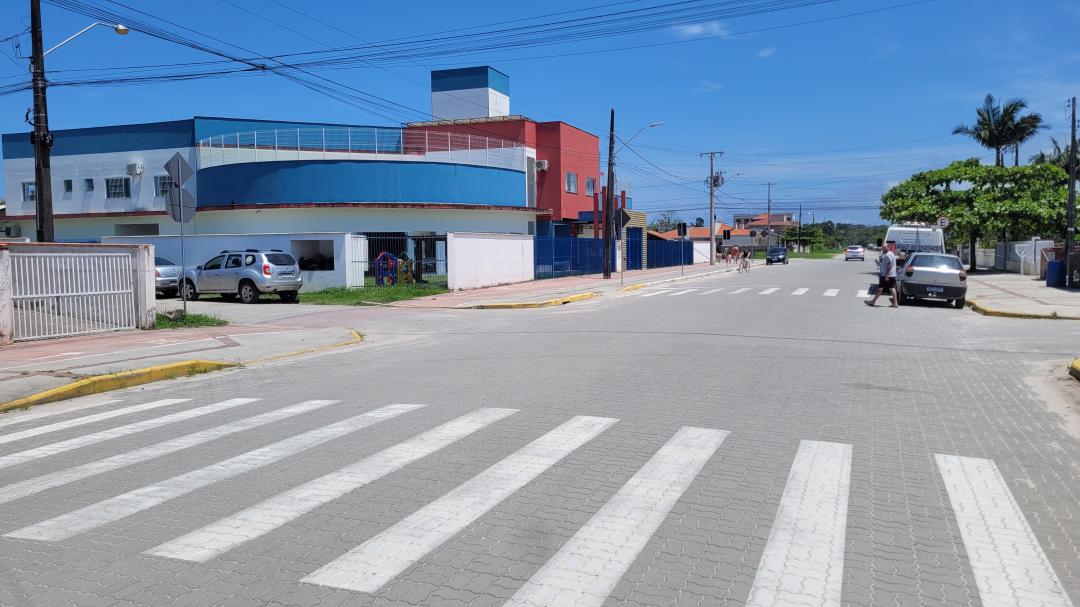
column 664, row 253
column 556, row 256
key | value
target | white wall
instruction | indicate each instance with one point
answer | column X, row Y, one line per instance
column 200, row 248
column 359, row 219
column 701, row 251
column 78, row 167
column 484, row 260
column 469, row 103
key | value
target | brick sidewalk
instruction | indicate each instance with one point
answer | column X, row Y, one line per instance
column 1014, row 294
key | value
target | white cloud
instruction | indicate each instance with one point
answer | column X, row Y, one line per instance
column 765, row 53
column 705, row 28
column 708, row 86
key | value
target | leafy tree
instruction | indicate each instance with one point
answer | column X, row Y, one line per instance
column 980, row 199
column 666, row 222
column 1000, row 126
column 699, row 222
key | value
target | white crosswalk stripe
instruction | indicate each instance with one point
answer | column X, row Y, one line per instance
column 19, row 417
column 224, row 535
column 371, row 565
column 683, row 292
column 800, row 291
column 124, row 505
column 88, row 419
column 69, row 475
column 739, row 291
column 864, row 293
column 769, row 291
column 1006, row 559
column 592, row 562
column 97, row 437
column 831, row 292
column 711, row 291
column 655, row 293
column 803, row 562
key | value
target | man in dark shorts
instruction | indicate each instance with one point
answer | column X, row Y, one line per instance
column 886, row 276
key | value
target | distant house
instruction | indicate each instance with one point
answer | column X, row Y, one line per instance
column 756, row 221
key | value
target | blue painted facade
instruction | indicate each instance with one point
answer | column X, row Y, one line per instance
column 470, row 78
column 107, row 139
column 336, row 181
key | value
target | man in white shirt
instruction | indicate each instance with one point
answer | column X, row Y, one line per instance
column 886, row 276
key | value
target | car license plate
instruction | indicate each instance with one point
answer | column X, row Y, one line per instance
column 285, row 274
column 935, row 289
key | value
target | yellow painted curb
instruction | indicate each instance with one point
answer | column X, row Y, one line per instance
column 115, row 381
column 639, row 285
column 357, row 337
column 537, row 304
column 985, row 311
column 1074, row 369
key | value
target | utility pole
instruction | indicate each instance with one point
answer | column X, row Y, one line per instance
column 41, row 138
column 608, row 206
column 768, row 216
column 714, row 181
column 1070, row 221
column 799, row 243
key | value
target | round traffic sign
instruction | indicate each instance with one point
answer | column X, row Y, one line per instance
column 943, row 222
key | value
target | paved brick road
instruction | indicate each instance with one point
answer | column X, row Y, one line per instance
column 739, row 439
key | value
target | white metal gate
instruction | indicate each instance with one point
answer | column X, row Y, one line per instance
column 61, row 294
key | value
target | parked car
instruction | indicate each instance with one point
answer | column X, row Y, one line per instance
column 776, row 255
column 932, row 276
column 855, row 252
column 245, row 274
column 166, row 277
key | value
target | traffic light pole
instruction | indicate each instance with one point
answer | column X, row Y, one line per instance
column 41, row 137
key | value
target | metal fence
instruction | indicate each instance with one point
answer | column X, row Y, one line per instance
column 342, row 143
column 665, row 253
column 401, row 258
column 62, row 294
column 556, row 256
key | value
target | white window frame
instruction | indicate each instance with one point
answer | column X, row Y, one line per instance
column 590, row 186
column 125, row 182
column 159, row 182
column 571, row 184
column 29, row 191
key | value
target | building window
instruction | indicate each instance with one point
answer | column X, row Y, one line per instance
column 88, row 185
column 67, row 186
column 162, row 185
column 571, row 183
column 29, row 191
column 117, row 187
column 590, row 186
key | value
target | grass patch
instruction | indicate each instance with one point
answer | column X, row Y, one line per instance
column 188, row 321
column 820, row 254
column 344, row 296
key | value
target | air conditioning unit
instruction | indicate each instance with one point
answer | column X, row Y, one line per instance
column 542, row 165
column 134, row 169
column 12, row 231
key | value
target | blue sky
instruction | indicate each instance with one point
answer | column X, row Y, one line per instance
column 833, row 112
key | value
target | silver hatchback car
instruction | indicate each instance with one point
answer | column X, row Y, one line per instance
column 245, row 274
column 929, row 275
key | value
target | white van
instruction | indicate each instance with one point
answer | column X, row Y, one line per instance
column 911, row 237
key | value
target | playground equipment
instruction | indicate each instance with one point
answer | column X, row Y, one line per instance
column 391, row 270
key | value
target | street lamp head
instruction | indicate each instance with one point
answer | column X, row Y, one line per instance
column 660, row 123
column 121, row 29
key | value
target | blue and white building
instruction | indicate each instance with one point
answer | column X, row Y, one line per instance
column 266, row 176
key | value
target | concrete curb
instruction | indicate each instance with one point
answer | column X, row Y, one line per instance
column 987, row 311
column 561, row 301
column 642, row 285
column 639, row 285
column 1074, row 369
column 115, row 381
column 97, row 384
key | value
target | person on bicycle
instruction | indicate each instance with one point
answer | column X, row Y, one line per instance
column 734, row 252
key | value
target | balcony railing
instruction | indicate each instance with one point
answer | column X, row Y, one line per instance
column 369, row 143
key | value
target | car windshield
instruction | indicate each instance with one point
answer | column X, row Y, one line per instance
column 280, row 259
column 936, row 261
column 161, row 261
column 777, row 250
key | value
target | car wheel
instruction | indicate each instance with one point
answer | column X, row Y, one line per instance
column 248, row 292
column 190, row 293
column 288, row 296
column 958, row 303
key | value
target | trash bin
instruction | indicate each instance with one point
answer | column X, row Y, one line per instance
column 1055, row 273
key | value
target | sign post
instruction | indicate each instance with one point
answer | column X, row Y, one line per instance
column 181, row 208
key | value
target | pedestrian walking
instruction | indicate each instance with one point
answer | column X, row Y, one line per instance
column 886, row 276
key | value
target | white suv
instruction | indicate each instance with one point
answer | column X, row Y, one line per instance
column 245, row 274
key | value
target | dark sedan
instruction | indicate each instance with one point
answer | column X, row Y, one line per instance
column 776, row 255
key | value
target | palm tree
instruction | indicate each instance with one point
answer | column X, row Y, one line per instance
column 1000, row 126
column 1059, row 156
column 989, row 129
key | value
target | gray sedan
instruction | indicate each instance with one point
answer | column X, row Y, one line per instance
column 166, row 277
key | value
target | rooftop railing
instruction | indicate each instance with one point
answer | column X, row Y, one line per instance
column 360, row 143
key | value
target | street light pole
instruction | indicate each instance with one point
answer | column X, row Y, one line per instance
column 41, row 137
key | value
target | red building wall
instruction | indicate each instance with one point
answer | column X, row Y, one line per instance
column 567, row 150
